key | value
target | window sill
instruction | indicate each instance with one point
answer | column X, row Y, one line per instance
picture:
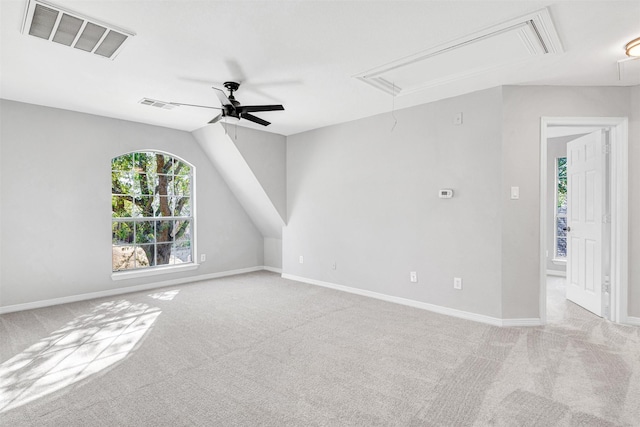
column 559, row 261
column 123, row 275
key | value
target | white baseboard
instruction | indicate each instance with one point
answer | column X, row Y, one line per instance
column 556, row 273
column 633, row 320
column 126, row 290
column 533, row 321
column 494, row 321
column 272, row 269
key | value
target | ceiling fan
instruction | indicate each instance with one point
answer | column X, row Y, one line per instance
column 232, row 109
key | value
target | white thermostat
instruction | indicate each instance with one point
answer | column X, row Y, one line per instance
column 445, row 193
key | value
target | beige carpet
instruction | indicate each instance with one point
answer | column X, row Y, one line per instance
column 257, row 350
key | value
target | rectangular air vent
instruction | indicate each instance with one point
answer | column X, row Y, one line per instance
column 53, row 23
column 501, row 45
column 157, row 104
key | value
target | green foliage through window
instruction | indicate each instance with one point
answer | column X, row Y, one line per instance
column 151, row 210
column 561, row 208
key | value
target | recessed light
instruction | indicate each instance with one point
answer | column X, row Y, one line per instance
column 633, row 48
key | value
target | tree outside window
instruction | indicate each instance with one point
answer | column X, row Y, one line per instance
column 561, row 208
column 151, row 209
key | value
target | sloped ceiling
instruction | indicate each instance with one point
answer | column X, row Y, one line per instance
column 302, row 54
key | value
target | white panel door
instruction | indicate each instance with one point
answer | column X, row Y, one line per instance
column 585, row 169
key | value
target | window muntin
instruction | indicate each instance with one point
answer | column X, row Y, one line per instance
column 560, row 246
column 151, row 210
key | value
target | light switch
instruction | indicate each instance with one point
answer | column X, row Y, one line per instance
column 515, row 193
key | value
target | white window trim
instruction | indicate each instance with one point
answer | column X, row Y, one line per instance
column 154, row 271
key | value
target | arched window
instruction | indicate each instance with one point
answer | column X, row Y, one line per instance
column 151, row 211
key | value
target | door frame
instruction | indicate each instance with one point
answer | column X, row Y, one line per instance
column 619, row 206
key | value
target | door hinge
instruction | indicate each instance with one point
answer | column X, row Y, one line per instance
column 606, row 219
column 606, row 287
column 606, row 149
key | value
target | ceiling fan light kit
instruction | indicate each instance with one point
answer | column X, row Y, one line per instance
column 633, row 48
column 232, row 110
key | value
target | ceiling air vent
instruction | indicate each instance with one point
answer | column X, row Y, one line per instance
column 157, row 104
column 519, row 39
column 50, row 22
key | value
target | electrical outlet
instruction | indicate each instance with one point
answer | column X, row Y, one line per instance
column 457, row 283
column 203, row 257
column 334, row 265
column 413, row 277
column 301, row 259
column 457, row 119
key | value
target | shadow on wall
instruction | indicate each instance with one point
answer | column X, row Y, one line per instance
column 84, row 347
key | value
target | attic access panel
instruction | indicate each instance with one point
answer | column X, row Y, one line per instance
column 498, row 46
column 53, row 23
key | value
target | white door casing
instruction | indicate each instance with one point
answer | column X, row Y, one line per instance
column 586, row 191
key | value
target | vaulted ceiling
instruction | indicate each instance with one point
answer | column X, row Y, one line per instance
column 302, row 54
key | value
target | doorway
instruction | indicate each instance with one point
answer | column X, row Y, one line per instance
column 612, row 287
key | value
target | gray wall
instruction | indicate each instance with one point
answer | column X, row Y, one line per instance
column 522, row 108
column 366, row 197
column 56, row 203
column 265, row 153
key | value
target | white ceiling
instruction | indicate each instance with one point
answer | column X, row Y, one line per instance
column 302, row 54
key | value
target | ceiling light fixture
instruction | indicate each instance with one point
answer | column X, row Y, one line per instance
column 633, row 48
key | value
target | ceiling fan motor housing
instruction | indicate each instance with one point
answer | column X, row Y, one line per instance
column 231, row 86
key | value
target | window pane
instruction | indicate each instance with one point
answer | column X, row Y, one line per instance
column 164, row 253
column 164, row 163
column 122, row 232
column 145, row 232
column 121, row 182
column 562, row 247
column 143, row 206
column 164, row 206
column 121, row 206
column 164, row 231
column 561, row 225
column 122, row 258
column 181, row 168
column 164, row 185
column 122, row 163
column 144, row 184
column 562, row 185
column 145, row 255
column 182, row 245
column 144, row 162
column 182, row 185
column 182, row 231
column 183, row 207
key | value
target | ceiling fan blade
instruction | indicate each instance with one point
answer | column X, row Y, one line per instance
column 255, row 119
column 195, row 105
column 256, row 108
column 216, row 119
column 222, row 96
